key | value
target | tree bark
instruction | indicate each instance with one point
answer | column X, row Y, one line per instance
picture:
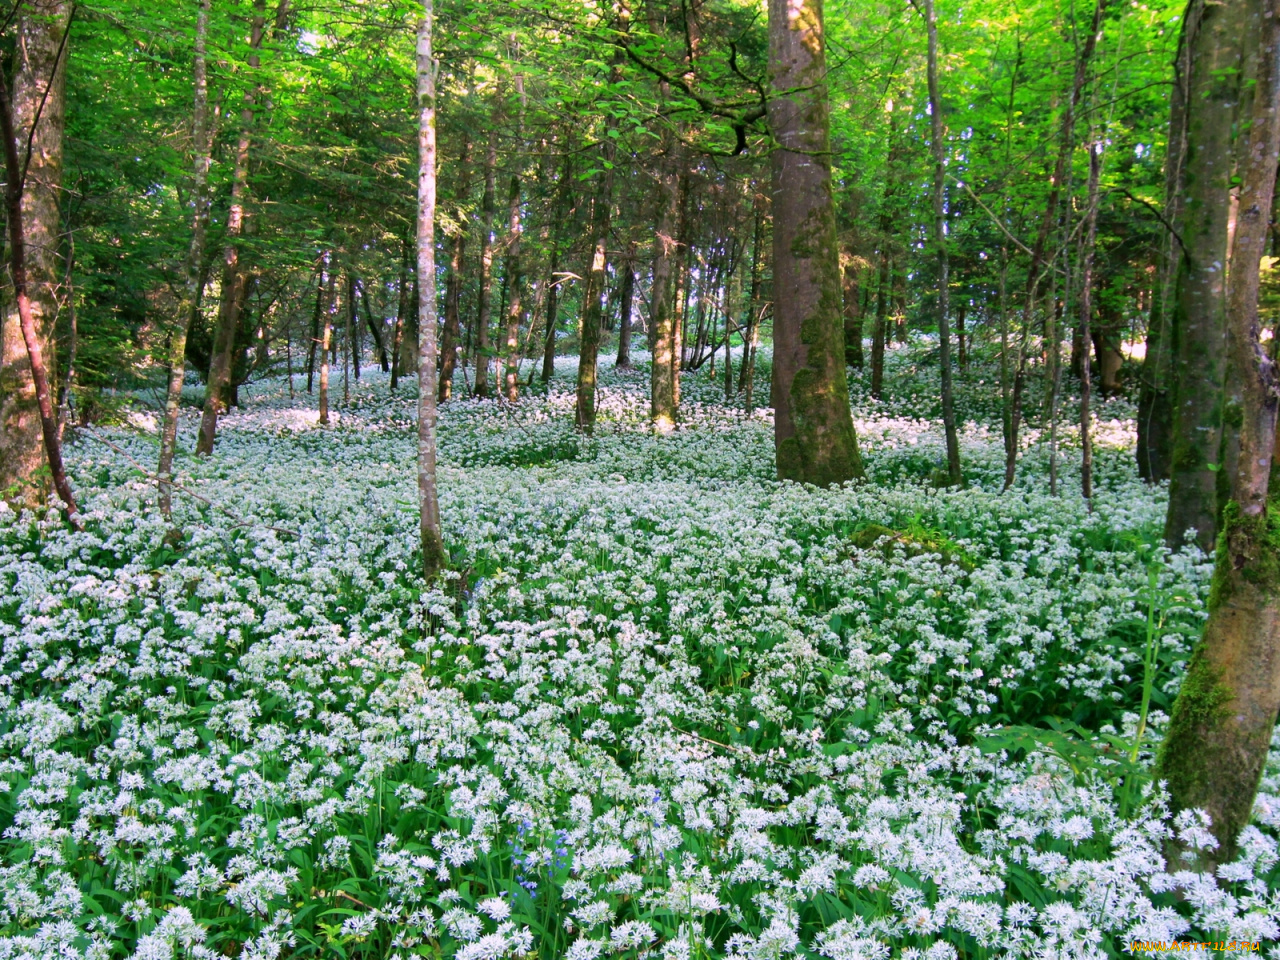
column 662, row 397
column 378, row 343
column 1086, row 310
column 938, row 149
column 315, row 324
column 625, row 299
column 593, row 292
column 484, row 311
column 1199, row 322
column 224, row 331
column 753, row 293
column 200, row 148
column 326, row 346
column 450, row 338
column 1155, row 400
column 433, row 557
column 1220, row 729
column 814, row 437
column 26, row 343
column 852, row 317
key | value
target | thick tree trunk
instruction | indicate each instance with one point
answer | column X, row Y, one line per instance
column 200, row 148
column 662, row 396
column 1221, row 725
column 1199, row 322
column 433, row 557
column 224, row 331
column 484, row 310
column 938, row 149
column 813, row 427
column 26, row 348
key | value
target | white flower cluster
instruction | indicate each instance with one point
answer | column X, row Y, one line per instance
column 661, row 706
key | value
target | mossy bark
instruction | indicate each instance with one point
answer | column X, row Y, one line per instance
column 814, row 435
column 1198, row 328
column 1220, row 729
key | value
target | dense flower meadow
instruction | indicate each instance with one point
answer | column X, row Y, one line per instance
column 663, row 706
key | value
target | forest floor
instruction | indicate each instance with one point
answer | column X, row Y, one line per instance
column 663, row 706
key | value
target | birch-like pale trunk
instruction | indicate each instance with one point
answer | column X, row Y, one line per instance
column 428, row 498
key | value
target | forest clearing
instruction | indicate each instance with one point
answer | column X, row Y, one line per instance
column 666, row 479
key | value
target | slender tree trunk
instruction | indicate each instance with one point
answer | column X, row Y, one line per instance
column 1036, row 272
column 753, row 294
column 1155, row 396
column 35, row 109
column 662, row 396
column 450, row 336
column 1199, row 322
column 402, row 313
column 813, row 427
column 315, row 323
column 487, row 209
column 1086, row 310
column 514, row 274
column 963, row 356
column 349, row 341
column 625, row 299
column 433, row 557
column 553, row 315
column 880, row 330
column 593, row 293
column 683, row 279
column 1221, row 725
column 939, row 151
column 224, row 331
column 200, row 148
column 326, row 348
column 378, row 343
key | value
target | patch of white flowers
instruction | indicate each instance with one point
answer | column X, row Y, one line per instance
column 663, row 706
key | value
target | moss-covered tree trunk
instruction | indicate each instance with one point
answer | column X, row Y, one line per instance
column 1215, row 38
column 814, row 436
column 1222, row 721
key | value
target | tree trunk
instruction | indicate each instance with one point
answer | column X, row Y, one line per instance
column 224, row 331
column 1155, row 399
column 553, row 315
column 484, row 312
column 961, row 345
column 399, row 341
column 852, row 318
column 451, row 335
column 753, row 293
column 625, row 299
column 26, row 443
column 326, row 347
column 315, row 323
column 1199, row 322
column 813, row 427
column 1035, row 272
column 433, row 557
column 662, row 396
column 378, row 344
column 200, row 149
column 1222, row 720
column 938, row 149
column 1086, row 309
column 593, row 292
